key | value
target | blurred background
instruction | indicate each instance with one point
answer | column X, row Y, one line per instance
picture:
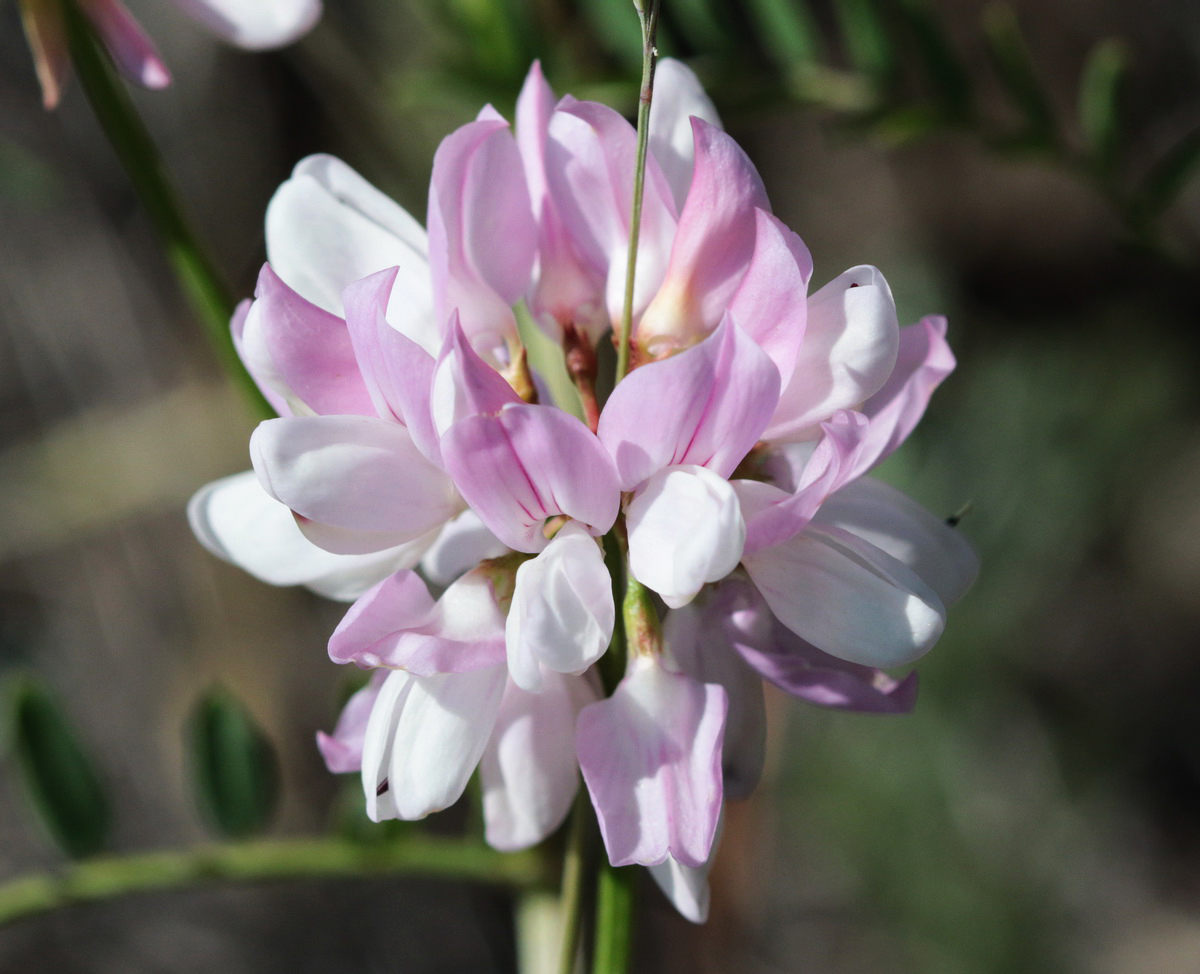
column 1041, row 809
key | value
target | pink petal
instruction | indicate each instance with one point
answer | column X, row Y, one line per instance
column 342, row 750
column 355, row 474
column 712, row 248
column 848, row 598
column 678, row 96
column 256, row 357
column 770, row 304
column 528, row 768
column 131, row 48
column 529, row 463
column 462, row 544
column 396, row 624
column 482, row 236
column 651, row 758
column 849, row 350
column 47, row 38
column 463, row 384
column 705, row 406
column 923, row 362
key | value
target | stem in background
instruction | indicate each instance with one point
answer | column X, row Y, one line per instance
column 615, row 894
column 139, row 156
column 254, row 862
column 575, row 869
column 580, row 357
column 647, row 11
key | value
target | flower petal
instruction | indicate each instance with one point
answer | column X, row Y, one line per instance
column 849, row 350
column 47, row 37
column 685, row 529
column 462, row 544
column 848, row 598
column 651, row 758
column 463, row 384
column 528, row 768
column 379, row 741
column 685, row 886
column 678, row 96
column 255, row 26
column 238, row 521
column 705, row 406
column 343, row 749
column 529, row 463
column 355, row 474
column 130, row 46
column 897, row 524
column 562, row 613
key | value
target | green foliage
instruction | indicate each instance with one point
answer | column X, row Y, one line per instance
column 1099, row 108
column 235, row 771
column 1166, row 181
column 1015, row 69
column 60, row 779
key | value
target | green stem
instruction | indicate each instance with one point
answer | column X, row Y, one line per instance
column 255, row 862
column 575, row 868
column 615, row 894
column 649, row 21
column 139, row 156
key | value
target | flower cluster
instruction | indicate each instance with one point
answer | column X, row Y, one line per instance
column 252, row 24
column 420, row 468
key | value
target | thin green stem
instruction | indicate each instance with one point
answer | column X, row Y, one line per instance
column 254, row 862
column 139, row 156
column 615, row 895
column 648, row 17
column 575, row 869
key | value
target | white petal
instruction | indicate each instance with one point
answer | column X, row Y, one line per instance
column 685, row 529
column 444, row 724
column 678, row 95
column 528, row 769
column 378, row 742
column 238, row 521
column 562, row 611
column 463, row 543
column 255, row 24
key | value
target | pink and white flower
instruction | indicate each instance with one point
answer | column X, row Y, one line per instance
column 725, row 473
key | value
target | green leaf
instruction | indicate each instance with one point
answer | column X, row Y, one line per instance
column 1167, row 180
column 234, row 767
column 1014, row 67
column 1099, row 91
column 786, row 29
column 867, row 43
column 946, row 72
column 60, row 779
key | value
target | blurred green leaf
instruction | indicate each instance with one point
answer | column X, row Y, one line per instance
column 867, row 43
column 1167, row 180
column 1099, row 90
column 235, row 770
column 786, row 29
column 1014, row 67
column 61, row 781
column 946, row 72
column 698, row 24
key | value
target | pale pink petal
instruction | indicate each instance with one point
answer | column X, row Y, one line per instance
column 251, row 347
column 848, row 598
column 309, row 348
column 131, row 48
column 849, row 350
column 529, row 463
column 482, row 236
column 343, row 749
column 897, row 524
column 354, row 474
column 678, row 96
column 590, row 156
column 770, row 304
column 327, row 227
column 528, row 768
column 255, row 24
column 924, row 361
column 236, row 520
column 704, row 406
column 696, row 639
column 712, row 248
column 651, row 758
column 463, row 384
column 562, row 613
column 462, row 544
column 773, row 515
column 46, row 34
column 685, row 529
column 442, row 729
column 685, row 886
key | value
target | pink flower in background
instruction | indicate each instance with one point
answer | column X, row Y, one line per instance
column 251, row 24
column 421, row 467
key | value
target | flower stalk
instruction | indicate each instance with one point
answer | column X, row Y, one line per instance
column 197, row 277
column 648, row 18
column 615, row 896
